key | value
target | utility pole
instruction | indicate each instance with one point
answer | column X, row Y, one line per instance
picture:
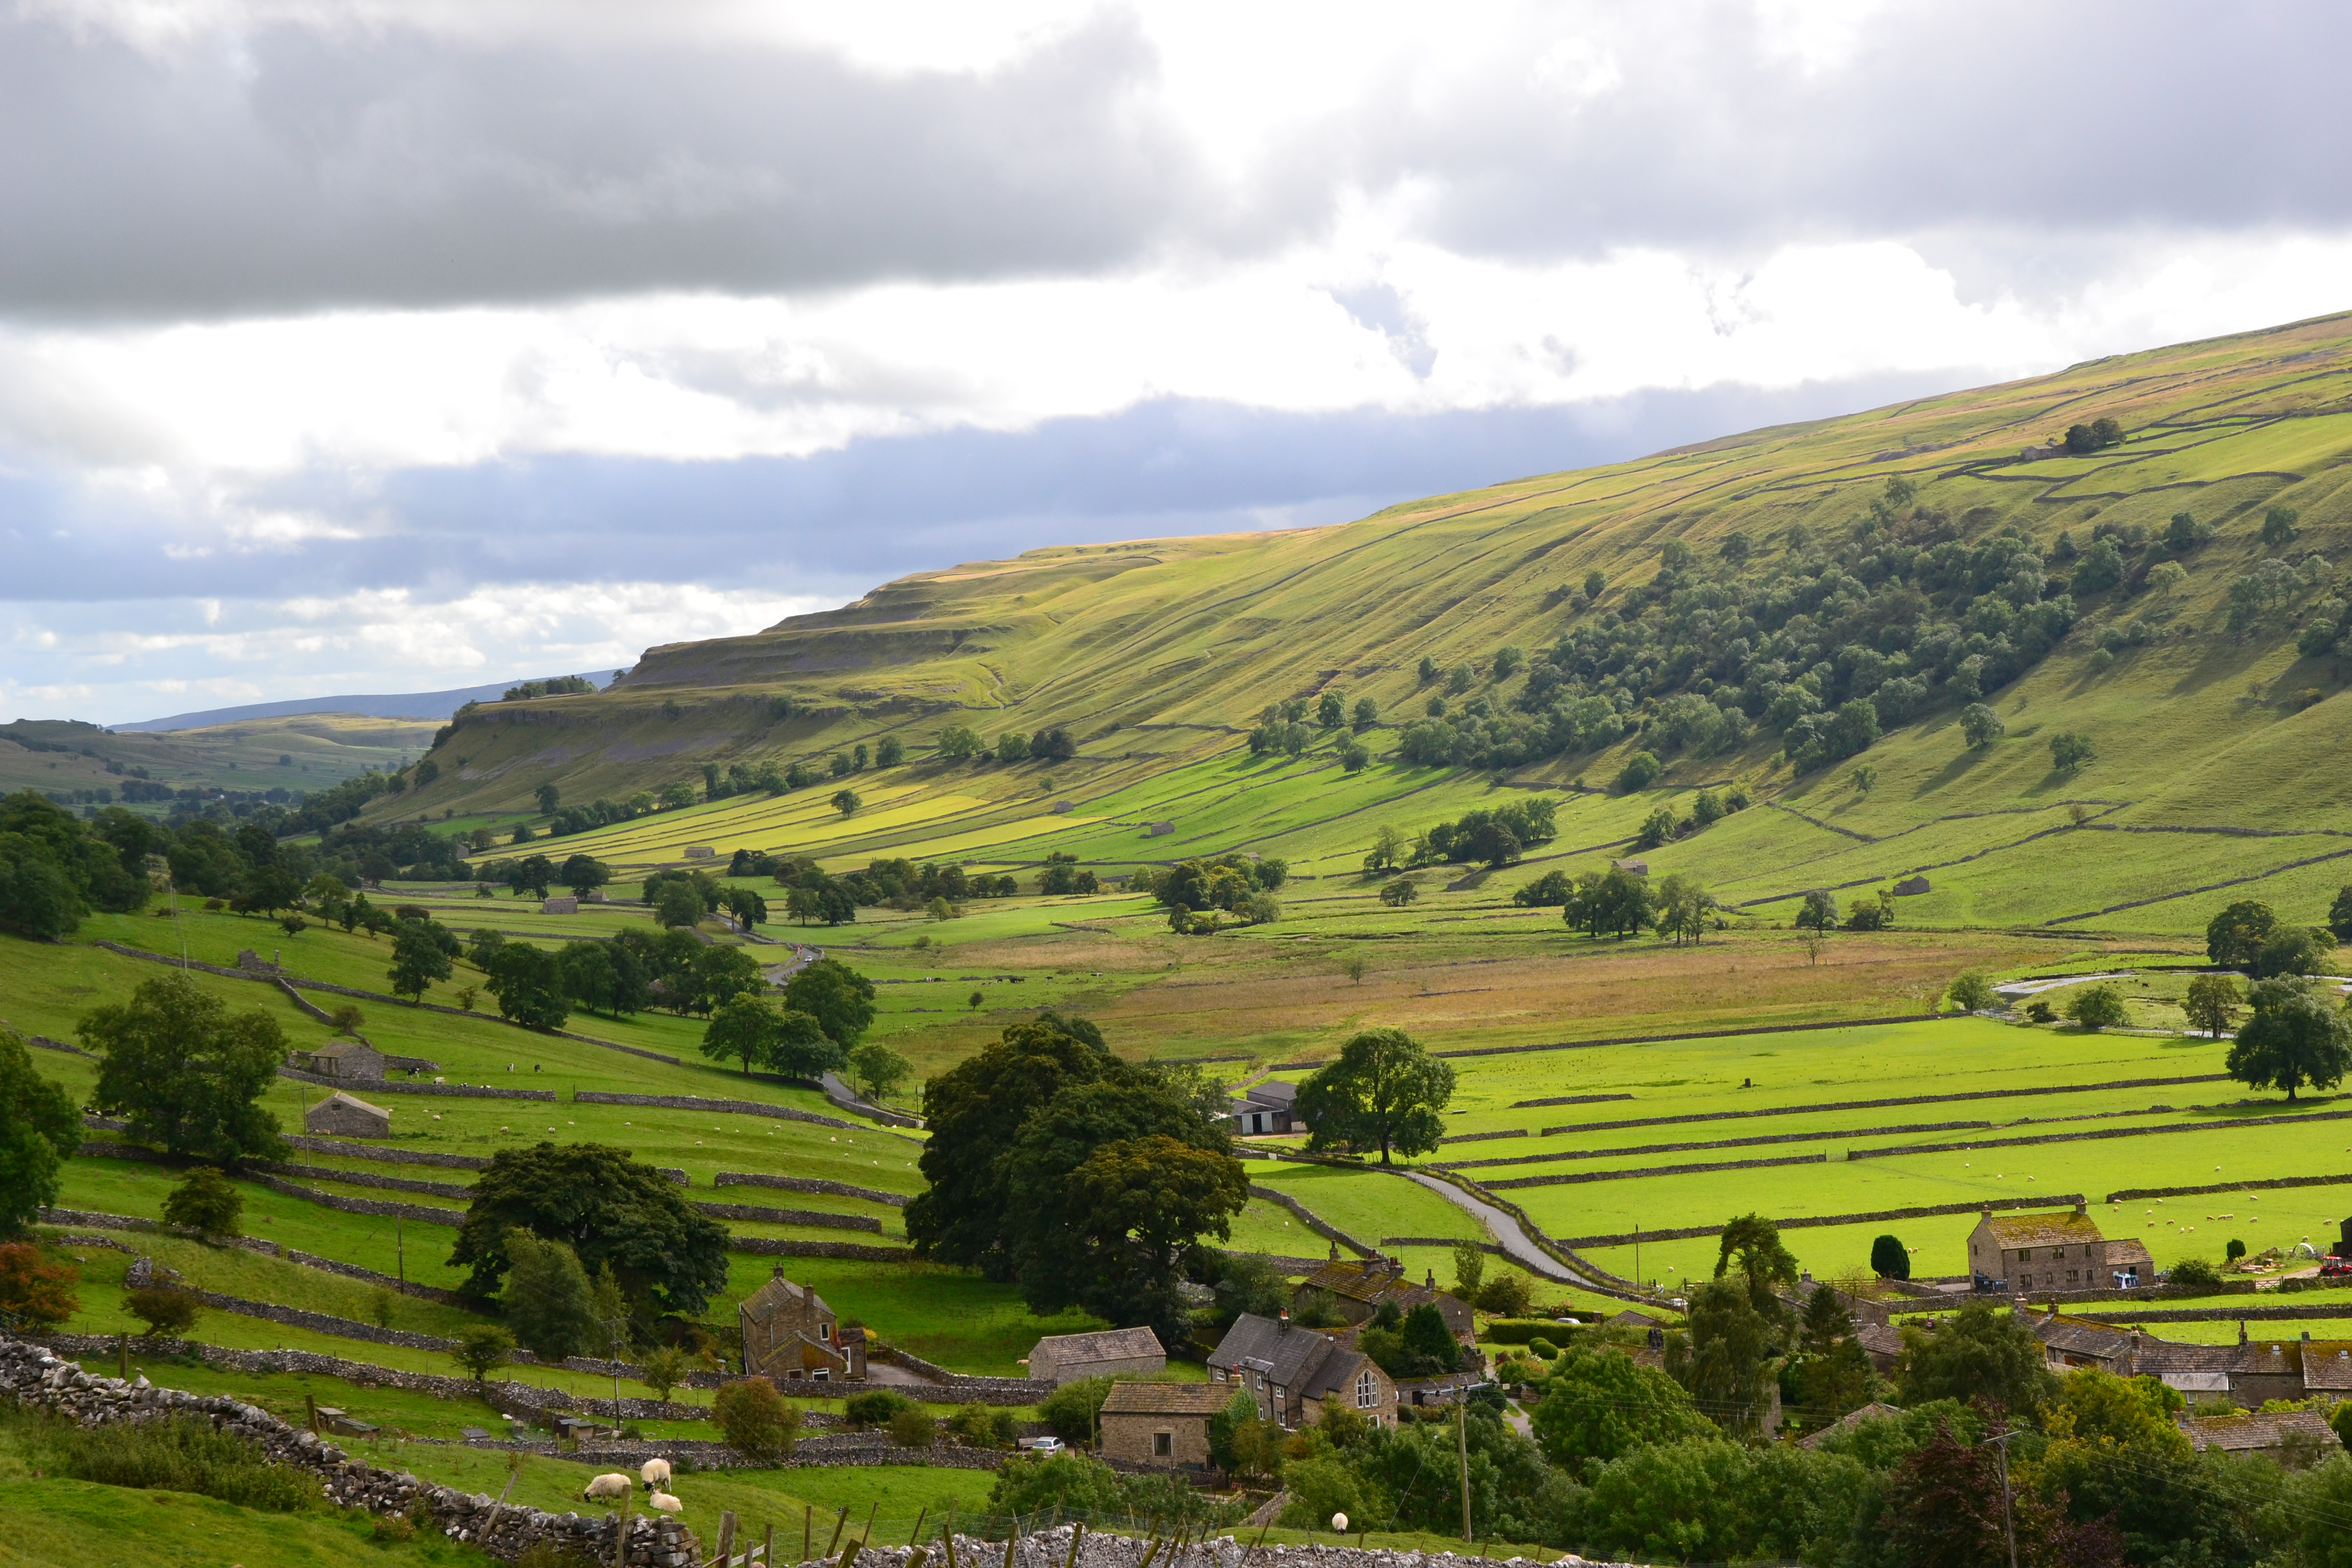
column 1462, row 1449
column 400, row 1253
column 2008, row 1516
column 612, row 1327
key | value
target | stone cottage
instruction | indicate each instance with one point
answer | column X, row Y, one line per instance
column 1358, row 1286
column 791, row 1335
column 341, row 1116
column 1290, row 1371
column 1061, row 1358
column 1160, row 1423
column 2029, row 1252
column 345, row 1061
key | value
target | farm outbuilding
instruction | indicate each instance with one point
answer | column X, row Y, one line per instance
column 341, row 1115
column 1160, row 1423
column 1062, row 1358
column 346, row 1061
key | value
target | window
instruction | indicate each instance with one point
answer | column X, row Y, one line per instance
column 1368, row 1390
column 1163, row 1445
column 1221, row 1375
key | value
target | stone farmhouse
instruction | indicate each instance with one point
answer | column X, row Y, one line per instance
column 1290, row 1371
column 1160, row 1423
column 2028, row 1252
column 1061, row 1358
column 1359, row 1287
column 790, row 1335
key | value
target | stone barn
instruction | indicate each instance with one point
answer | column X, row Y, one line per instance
column 1160, row 1423
column 1062, row 1358
column 341, row 1116
column 346, row 1061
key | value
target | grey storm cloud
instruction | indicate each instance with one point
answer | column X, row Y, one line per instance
column 310, row 167
column 295, row 166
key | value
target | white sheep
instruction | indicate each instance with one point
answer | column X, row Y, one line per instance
column 666, row 1502
column 656, row 1473
column 614, row 1484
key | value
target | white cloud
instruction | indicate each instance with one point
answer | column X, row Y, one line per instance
column 221, row 653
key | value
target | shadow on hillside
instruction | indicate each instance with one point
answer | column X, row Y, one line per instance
column 1951, row 772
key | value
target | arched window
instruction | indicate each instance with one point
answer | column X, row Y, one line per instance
column 1368, row 1390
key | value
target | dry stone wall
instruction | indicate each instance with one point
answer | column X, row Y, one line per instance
column 446, row 1091
column 1312, row 1220
column 808, row 1184
column 393, row 1156
column 791, row 1216
column 986, row 1390
column 365, row 1179
column 724, row 1107
column 775, row 1246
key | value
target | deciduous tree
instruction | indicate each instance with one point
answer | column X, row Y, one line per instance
column 839, row 998
column 2294, row 1037
column 1384, row 1091
column 2234, row 938
column 548, row 1303
column 39, row 1131
column 187, row 1075
column 205, row 1200
column 2213, row 1003
column 609, row 1209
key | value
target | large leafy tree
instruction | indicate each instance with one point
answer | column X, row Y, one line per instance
column 549, row 1304
column 421, row 952
column 2234, row 938
column 187, row 1075
column 743, row 1029
column 39, row 1131
column 839, row 998
column 611, row 1211
column 1750, row 1247
column 1385, row 1091
column 720, row 975
column 528, row 982
column 973, row 1113
column 1601, row 1404
column 1108, row 1183
column 1730, row 1365
column 2294, row 1038
column 1976, row 1353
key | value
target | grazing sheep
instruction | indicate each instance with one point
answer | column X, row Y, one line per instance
column 666, row 1502
column 656, row 1473
column 614, row 1485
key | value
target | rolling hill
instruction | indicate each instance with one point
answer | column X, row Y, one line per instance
column 1699, row 605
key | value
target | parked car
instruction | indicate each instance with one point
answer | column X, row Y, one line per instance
column 1046, row 1448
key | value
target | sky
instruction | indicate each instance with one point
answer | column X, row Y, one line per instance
column 372, row 347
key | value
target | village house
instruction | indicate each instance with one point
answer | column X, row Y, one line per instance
column 790, row 1335
column 1269, row 1107
column 345, row 1061
column 2295, row 1438
column 1290, row 1371
column 1160, row 1423
column 565, row 904
column 2030, row 1252
column 341, row 1116
column 1360, row 1287
column 1061, row 1358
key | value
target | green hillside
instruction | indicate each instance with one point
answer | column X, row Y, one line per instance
column 299, row 752
column 1912, row 559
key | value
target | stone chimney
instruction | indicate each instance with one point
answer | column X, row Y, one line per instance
column 2082, row 1209
column 1433, row 1285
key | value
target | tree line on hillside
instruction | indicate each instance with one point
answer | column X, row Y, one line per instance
column 1833, row 642
column 56, row 868
column 1200, row 894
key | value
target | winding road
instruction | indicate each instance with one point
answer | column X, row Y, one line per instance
column 1515, row 1243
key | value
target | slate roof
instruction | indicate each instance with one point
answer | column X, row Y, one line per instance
column 2157, row 1357
column 1847, row 1423
column 2073, row 1336
column 1107, row 1344
column 2041, row 1229
column 2128, row 1249
column 1282, row 1351
column 2254, row 1430
column 339, row 1097
column 1274, row 1091
column 1879, row 1339
column 1167, row 1398
column 339, row 1048
column 2327, row 1366
column 1336, row 1375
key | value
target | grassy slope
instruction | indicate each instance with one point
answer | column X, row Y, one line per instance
column 319, row 749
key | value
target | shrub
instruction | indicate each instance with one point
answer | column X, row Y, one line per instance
column 35, row 1290
column 482, row 1348
column 975, row 1426
column 755, row 1420
column 1971, row 991
column 875, row 1407
column 1507, row 1294
column 1075, row 1483
column 2096, row 1007
column 914, row 1428
column 168, row 1311
column 184, row 1454
column 2195, row 1271
column 1074, row 1409
column 1889, row 1258
column 1639, row 773
column 1539, row 1346
column 2233, row 1251
column 1398, row 893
